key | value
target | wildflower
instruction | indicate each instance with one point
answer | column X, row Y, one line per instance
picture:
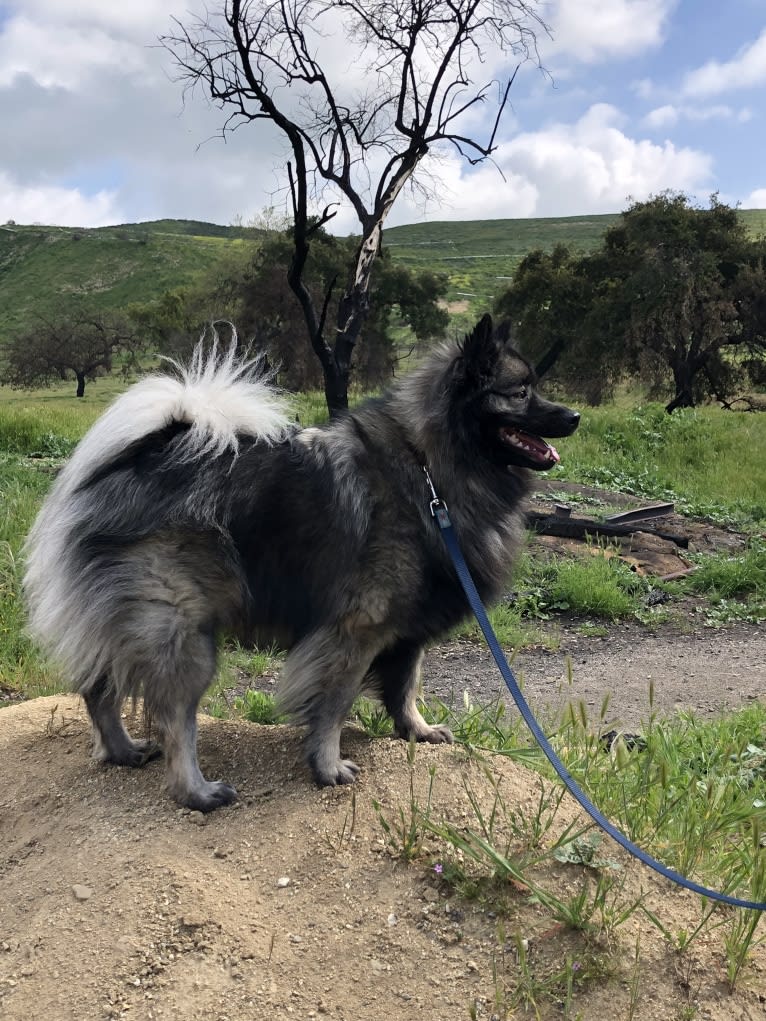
column 438, row 868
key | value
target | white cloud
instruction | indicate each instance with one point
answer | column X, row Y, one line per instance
column 596, row 30
column 591, row 166
column 137, row 18
column 64, row 58
column 55, row 205
column 662, row 116
column 755, row 200
column 668, row 115
column 746, row 70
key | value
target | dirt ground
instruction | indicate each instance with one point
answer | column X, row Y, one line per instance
column 115, row 903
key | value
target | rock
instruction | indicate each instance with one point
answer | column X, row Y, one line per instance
column 283, row 881
column 82, row 892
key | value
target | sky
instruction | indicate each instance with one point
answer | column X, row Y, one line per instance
column 640, row 96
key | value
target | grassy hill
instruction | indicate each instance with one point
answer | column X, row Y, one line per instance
column 135, row 262
column 480, row 256
column 112, row 266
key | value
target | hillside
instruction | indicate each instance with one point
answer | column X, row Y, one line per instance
column 113, row 266
column 480, row 256
column 136, row 262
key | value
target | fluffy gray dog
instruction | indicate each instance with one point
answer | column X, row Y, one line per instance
column 193, row 506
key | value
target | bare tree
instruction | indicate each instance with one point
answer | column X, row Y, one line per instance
column 362, row 90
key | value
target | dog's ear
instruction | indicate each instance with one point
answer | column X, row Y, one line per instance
column 481, row 349
column 504, row 332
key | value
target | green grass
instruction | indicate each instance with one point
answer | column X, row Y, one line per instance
column 704, row 459
column 599, row 586
column 725, row 575
column 23, row 482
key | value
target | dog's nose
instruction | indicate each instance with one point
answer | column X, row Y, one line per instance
column 574, row 418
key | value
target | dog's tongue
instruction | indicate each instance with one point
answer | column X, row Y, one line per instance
column 534, row 447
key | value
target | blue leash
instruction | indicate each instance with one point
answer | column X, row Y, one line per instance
column 439, row 511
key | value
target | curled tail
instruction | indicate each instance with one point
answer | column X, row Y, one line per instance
column 219, row 396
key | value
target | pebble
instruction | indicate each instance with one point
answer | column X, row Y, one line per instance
column 392, row 919
column 198, row 818
column 283, row 881
column 82, row 892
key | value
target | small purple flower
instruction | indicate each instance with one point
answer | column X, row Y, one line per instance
column 576, row 966
column 438, row 868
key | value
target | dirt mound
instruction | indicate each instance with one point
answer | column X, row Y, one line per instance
column 115, row 903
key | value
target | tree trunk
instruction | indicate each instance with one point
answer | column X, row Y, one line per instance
column 336, row 390
column 683, row 374
column 80, row 377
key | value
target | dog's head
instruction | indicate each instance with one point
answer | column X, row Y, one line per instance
column 495, row 387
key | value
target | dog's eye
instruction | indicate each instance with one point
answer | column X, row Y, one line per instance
column 520, row 394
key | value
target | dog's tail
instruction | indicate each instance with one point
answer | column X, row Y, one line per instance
column 219, row 396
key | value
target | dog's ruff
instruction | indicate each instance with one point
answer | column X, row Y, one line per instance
column 194, row 506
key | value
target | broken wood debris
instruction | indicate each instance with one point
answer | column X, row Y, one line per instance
column 579, row 528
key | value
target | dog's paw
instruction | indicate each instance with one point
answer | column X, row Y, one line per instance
column 343, row 771
column 136, row 755
column 438, row 734
column 208, row 796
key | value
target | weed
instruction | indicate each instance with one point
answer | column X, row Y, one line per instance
column 336, row 841
column 259, row 707
column 726, row 575
column 589, row 629
column 635, row 987
column 597, row 909
column 740, row 935
column 681, row 940
column 512, row 629
column 724, row 612
column 405, row 830
column 372, row 717
column 598, row 586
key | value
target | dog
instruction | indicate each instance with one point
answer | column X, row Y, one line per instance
column 195, row 506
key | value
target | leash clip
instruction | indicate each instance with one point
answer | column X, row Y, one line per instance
column 438, row 507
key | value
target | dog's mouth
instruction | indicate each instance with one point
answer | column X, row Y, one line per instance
column 535, row 449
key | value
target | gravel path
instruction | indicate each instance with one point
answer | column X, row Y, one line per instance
column 706, row 671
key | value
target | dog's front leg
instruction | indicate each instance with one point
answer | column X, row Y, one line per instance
column 395, row 673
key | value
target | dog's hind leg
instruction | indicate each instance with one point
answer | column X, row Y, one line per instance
column 111, row 742
column 172, row 696
column 395, row 674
